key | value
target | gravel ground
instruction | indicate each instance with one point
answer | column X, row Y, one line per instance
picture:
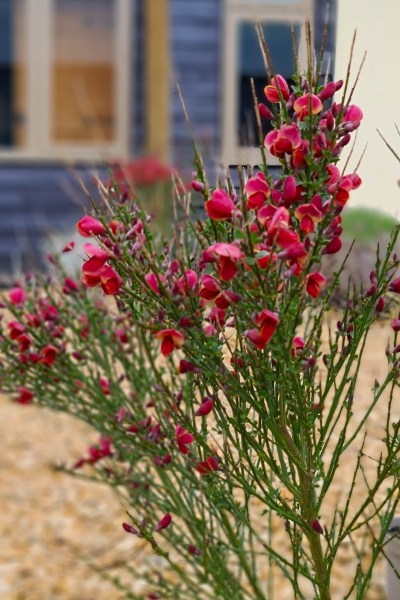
column 52, row 525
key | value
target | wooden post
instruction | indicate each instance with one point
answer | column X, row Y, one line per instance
column 157, row 78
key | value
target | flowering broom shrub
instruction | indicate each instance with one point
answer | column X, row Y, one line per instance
column 202, row 365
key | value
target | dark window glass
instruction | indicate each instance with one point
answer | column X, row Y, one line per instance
column 251, row 65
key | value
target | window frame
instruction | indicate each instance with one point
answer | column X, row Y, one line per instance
column 39, row 145
column 236, row 12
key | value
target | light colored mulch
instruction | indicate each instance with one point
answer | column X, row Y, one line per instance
column 47, row 516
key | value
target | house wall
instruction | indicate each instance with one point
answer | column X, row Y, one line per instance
column 377, row 93
column 196, row 51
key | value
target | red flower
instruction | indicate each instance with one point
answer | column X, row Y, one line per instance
column 220, row 206
column 183, row 439
column 48, row 355
column 272, row 90
column 257, row 191
column 205, row 408
column 110, row 280
column 308, row 214
column 267, row 322
column 171, row 339
column 129, row 529
column 227, row 257
column 164, row 523
column 88, row 227
column 283, row 141
column 92, row 268
column 15, row 329
column 314, row 283
column 25, row 396
column 208, row 466
column 303, row 104
column 393, row 287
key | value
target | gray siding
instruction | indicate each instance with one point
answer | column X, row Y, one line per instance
column 196, row 44
column 36, row 202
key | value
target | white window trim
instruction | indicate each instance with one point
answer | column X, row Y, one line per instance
column 237, row 11
column 38, row 147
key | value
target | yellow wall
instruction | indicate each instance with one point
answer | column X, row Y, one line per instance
column 378, row 94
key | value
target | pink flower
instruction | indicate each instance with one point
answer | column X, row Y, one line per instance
column 314, row 283
column 227, row 257
column 187, row 282
column 272, row 90
column 283, row 141
column 17, row 296
column 170, row 339
column 353, row 114
column 88, row 227
column 164, row 523
column 308, row 214
column 220, row 206
column 110, row 280
column 257, row 191
column 183, row 439
column 152, row 281
column 297, row 345
column 303, row 105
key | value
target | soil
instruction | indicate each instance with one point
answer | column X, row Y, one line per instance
column 55, row 528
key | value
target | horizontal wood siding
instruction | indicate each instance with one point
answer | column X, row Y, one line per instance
column 196, row 51
column 35, row 203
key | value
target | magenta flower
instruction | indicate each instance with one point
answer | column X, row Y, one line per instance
column 257, row 191
column 283, row 141
column 304, row 104
column 164, row 523
column 227, row 257
column 314, row 283
column 271, row 91
column 17, row 296
column 88, row 227
column 220, row 206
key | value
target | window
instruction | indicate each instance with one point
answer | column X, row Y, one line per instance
column 64, row 79
column 243, row 60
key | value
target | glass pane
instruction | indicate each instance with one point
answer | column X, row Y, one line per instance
column 12, row 73
column 83, row 71
column 251, row 65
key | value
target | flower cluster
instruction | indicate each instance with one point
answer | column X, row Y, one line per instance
column 204, row 373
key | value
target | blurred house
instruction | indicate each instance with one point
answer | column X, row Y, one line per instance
column 83, row 83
